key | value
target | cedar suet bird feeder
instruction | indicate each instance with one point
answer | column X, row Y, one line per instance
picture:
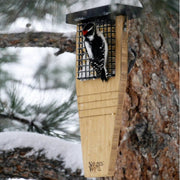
column 100, row 104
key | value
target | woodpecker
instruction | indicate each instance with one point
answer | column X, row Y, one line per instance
column 97, row 49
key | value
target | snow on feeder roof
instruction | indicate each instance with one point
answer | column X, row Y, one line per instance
column 91, row 9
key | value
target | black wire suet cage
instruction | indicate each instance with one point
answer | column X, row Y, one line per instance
column 107, row 27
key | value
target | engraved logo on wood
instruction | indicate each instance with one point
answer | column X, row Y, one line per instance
column 95, row 166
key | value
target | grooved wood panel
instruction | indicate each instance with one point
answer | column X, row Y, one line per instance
column 100, row 107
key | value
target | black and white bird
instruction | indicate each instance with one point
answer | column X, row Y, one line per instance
column 97, row 49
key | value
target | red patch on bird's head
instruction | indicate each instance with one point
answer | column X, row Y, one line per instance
column 84, row 32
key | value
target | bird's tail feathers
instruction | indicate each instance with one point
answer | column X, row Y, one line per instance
column 104, row 75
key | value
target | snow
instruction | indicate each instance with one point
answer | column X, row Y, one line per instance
column 89, row 4
column 32, row 57
column 29, row 60
column 19, row 179
column 38, row 25
column 53, row 148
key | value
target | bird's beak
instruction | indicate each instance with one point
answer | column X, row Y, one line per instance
column 84, row 32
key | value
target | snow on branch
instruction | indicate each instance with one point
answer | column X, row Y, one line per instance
column 32, row 155
column 65, row 42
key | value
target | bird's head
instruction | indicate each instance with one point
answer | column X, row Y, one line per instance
column 88, row 29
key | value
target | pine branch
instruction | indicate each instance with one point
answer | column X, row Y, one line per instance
column 39, row 39
column 50, row 87
column 18, row 119
column 21, row 120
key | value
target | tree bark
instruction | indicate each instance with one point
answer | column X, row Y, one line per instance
column 149, row 143
column 17, row 163
column 62, row 41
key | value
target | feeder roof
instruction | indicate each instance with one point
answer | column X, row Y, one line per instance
column 89, row 9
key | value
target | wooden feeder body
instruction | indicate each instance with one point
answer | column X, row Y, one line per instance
column 100, row 104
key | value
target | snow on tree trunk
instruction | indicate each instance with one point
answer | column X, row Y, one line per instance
column 148, row 146
column 16, row 164
column 32, row 155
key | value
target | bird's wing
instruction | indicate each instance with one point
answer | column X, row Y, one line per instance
column 105, row 46
column 88, row 49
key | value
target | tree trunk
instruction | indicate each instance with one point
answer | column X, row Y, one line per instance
column 148, row 146
column 39, row 39
column 17, row 163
